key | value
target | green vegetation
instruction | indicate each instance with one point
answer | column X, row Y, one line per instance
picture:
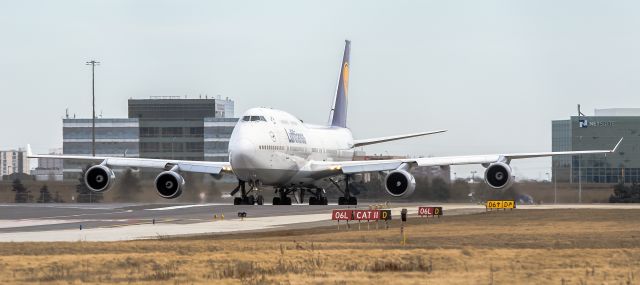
column 23, row 195
column 625, row 194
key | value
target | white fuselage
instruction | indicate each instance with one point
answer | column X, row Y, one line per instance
column 275, row 148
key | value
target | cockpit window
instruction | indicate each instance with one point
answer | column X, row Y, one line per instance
column 253, row 119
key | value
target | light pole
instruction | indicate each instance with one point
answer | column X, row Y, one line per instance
column 93, row 64
column 473, row 176
column 555, row 185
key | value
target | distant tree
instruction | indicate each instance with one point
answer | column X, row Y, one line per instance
column 440, row 189
column 510, row 193
column 23, row 195
column 57, row 198
column 625, row 194
column 483, row 192
column 45, row 196
column 423, row 189
column 84, row 194
column 128, row 188
column 460, row 190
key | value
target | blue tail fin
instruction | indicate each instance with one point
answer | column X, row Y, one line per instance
column 340, row 103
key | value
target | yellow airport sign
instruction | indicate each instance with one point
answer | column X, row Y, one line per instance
column 501, row 204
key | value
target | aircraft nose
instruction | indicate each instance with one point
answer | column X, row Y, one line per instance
column 243, row 154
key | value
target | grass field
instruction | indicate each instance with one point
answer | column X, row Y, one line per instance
column 520, row 246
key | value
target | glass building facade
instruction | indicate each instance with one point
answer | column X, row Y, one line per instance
column 114, row 137
column 160, row 127
column 602, row 133
column 172, row 128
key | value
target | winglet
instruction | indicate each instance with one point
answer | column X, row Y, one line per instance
column 29, row 153
column 618, row 144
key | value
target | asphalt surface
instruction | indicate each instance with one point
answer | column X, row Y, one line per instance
column 46, row 217
column 105, row 222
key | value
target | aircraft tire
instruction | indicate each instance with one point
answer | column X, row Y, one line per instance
column 341, row 201
column 287, row 201
column 260, row 200
column 324, row 201
column 353, row 201
column 276, row 200
column 313, row 201
column 237, row 201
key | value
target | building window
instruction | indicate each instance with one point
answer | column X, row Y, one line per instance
column 172, row 132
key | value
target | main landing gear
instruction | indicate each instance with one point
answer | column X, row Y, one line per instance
column 318, row 196
column 346, row 199
column 245, row 197
column 281, row 197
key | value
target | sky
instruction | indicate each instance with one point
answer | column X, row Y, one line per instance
column 494, row 73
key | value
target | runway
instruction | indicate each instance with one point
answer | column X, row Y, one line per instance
column 114, row 222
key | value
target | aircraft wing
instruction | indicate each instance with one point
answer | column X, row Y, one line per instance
column 210, row 167
column 363, row 142
column 350, row 167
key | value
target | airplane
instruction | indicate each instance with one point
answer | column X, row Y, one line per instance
column 270, row 147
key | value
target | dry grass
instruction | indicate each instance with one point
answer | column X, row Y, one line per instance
column 558, row 247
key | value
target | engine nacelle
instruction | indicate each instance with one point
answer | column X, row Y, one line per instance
column 399, row 183
column 498, row 175
column 169, row 184
column 99, row 178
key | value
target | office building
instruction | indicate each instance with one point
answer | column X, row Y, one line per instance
column 600, row 131
column 49, row 169
column 159, row 127
column 114, row 137
column 13, row 161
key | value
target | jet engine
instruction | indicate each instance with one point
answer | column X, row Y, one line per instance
column 99, row 178
column 399, row 183
column 498, row 175
column 169, row 184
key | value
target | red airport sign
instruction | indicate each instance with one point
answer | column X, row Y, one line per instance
column 430, row 211
column 342, row 215
column 366, row 215
column 361, row 215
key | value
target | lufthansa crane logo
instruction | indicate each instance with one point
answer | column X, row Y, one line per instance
column 345, row 78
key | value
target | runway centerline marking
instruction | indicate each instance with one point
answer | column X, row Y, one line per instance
column 78, row 215
column 182, row 207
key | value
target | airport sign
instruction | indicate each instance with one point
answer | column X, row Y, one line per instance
column 342, row 215
column 361, row 215
column 430, row 211
column 366, row 215
column 501, row 204
column 385, row 215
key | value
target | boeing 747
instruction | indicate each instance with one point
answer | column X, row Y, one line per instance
column 274, row 148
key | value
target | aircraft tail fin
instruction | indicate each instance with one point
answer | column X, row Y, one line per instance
column 339, row 114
